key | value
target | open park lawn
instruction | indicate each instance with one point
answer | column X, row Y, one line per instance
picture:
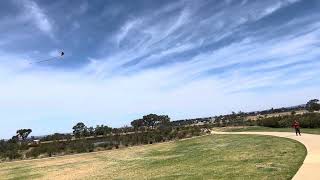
column 207, row 157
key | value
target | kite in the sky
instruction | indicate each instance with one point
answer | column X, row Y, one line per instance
column 50, row 59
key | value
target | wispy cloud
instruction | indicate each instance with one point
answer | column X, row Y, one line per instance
column 276, row 6
column 83, row 7
column 125, row 30
column 37, row 15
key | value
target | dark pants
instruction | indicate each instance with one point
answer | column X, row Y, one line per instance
column 298, row 131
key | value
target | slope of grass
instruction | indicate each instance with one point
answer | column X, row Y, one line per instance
column 207, row 157
column 266, row 129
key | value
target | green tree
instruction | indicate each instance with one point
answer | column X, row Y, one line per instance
column 151, row 121
column 138, row 123
column 79, row 130
column 91, row 131
column 102, row 130
column 23, row 133
column 313, row 105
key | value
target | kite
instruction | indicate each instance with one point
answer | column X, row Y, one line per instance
column 50, row 59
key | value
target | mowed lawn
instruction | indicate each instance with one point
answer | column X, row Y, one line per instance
column 207, row 157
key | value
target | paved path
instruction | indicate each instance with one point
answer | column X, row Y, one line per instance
column 310, row 169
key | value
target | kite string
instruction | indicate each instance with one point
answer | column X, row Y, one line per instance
column 45, row 60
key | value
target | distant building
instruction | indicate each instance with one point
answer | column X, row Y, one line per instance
column 36, row 142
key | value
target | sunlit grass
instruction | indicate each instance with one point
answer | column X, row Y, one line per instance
column 207, row 157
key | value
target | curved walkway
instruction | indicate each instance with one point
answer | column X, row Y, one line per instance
column 310, row 168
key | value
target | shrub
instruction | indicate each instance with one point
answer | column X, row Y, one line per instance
column 82, row 146
column 308, row 120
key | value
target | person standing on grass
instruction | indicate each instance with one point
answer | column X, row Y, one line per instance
column 296, row 126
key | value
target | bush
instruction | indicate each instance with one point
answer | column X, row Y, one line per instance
column 82, row 146
column 13, row 155
column 33, row 153
column 308, row 120
column 10, row 150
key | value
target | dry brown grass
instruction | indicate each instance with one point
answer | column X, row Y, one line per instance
column 79, row 166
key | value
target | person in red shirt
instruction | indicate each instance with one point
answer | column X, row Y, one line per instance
column 296, row 126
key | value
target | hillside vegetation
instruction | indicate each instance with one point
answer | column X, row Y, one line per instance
column 265, row 129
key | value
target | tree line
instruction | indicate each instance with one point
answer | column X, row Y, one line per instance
column 149, row 129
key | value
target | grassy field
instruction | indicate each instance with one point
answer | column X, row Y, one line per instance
column 207, row 157
column 266, row 129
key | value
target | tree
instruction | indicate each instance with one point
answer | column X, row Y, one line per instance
column 91, row 131
column 137, row 123
column 102, row 130
column 241, row 114
column 23, row 133
column 79, row 130
column 151, row 121
column 313, row 105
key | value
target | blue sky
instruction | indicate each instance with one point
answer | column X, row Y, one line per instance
column 128, row 58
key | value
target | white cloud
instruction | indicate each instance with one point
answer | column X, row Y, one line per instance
column 273, row 8
column 243, row 2
column 297, row 45
column 75, row 25
column 126, row 29
column 83, row 7
column 54, row 53
column 38, row 16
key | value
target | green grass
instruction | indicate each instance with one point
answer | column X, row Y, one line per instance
column 267, row 129
column 207, row 157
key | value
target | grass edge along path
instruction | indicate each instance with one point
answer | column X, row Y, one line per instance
column 311, row 164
